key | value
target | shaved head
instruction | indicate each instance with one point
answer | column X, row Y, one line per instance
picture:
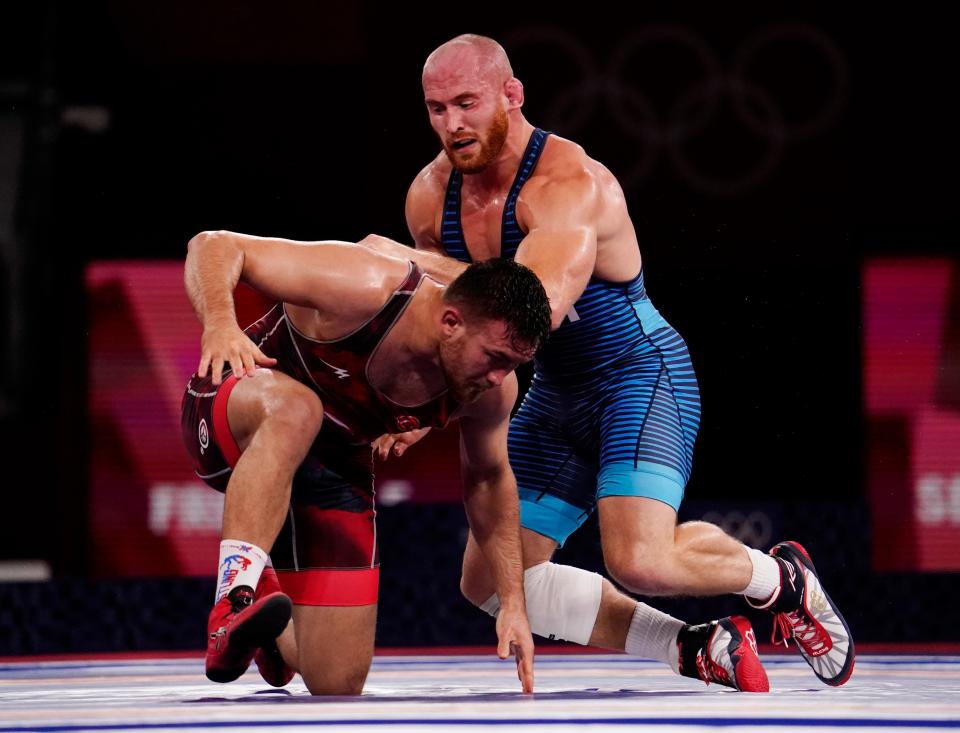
column 471, row 95
column 470, row 56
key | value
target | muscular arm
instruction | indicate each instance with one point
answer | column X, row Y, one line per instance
column 490, row 499
column 311, row 274
column 559, row 216
column 335, row 277
column 561, row 242
column 490, row 491
column 436, row 265
column 423, row 206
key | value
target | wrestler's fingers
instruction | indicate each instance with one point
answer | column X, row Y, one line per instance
column 236, row 364
column 382, row 446
column 217, row 367
column 524, row 657
column 504, row 644
column 249, row 363
column 262, row 359
column 385, row 442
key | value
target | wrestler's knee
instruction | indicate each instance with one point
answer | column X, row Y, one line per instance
column 290, row 410
column 640, row 569
column 348, row 680
column 474, row 586
column 335, row 645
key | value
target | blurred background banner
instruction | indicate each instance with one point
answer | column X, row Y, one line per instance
column 911, row 317
column 790, row 174
column 147, row 516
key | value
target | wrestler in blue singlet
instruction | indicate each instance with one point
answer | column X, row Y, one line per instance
column 613, row 408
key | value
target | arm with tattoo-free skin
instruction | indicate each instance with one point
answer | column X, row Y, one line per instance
column 434, row 263
column 345, row 283
column 490, row 500
column 559, row 215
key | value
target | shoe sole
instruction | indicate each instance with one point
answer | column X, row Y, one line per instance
column 798, row 552
column 260, row 628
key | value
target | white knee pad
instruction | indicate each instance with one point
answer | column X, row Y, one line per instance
column 562, row 601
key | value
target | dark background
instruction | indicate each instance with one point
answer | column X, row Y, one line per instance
column 128, row 127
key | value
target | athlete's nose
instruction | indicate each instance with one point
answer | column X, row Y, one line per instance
column 454, row 121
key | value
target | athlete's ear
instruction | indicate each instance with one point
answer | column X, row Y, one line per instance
column 451, row 318
column 513, row 89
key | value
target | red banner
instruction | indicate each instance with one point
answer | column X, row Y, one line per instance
column 912, row 399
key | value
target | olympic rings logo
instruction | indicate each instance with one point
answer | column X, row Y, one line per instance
column 760, row 107
column 754, row 529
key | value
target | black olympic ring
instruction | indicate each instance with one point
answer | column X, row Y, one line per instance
column 754, row 104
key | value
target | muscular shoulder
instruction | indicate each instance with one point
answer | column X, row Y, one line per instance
column 568, row 179
column 565, row 178
column 431, row 181
column 425, row 199
column 355, row 288
column 565, row 161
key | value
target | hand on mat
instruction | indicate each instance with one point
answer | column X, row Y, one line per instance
column 513, row 633
column 396, row 444
column 229, row 345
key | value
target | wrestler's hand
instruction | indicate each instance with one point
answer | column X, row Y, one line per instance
column 397, row 443
column 229, row 345
column 513, row 634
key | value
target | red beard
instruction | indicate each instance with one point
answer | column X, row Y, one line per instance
column 490, row 146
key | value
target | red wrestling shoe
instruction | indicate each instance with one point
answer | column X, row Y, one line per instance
column 724, row 652
column 269, row 661
column 238, row 625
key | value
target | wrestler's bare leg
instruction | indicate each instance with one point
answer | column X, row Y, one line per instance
column 647, row 552
column 335, row 646
column 274, row 420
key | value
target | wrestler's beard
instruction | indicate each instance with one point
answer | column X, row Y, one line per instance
column 490, row 146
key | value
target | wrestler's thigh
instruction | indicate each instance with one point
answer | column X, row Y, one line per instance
column 629, row 522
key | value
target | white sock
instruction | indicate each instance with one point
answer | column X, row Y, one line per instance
column 653, row 635
column 765, row 580
column 240, row 564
